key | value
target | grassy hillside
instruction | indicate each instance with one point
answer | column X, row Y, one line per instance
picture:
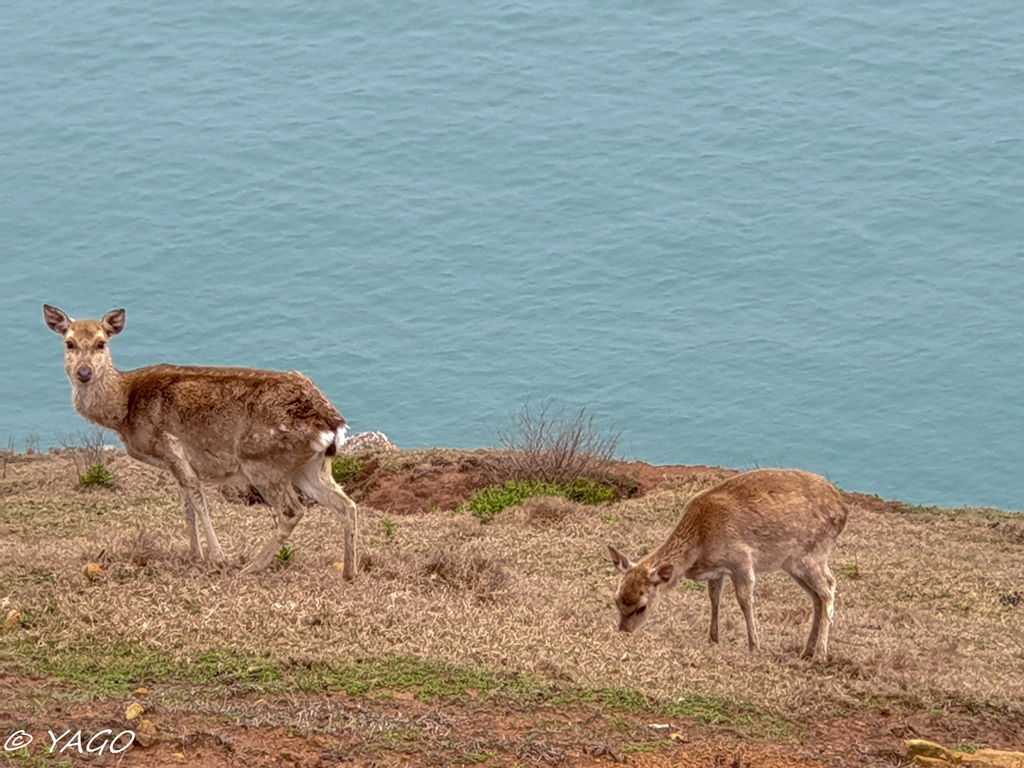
column 506, row 627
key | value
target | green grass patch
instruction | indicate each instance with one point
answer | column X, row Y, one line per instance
column 222, row 666
column 116, row 670
column 99, row 670
column 345, row 469
column 488, row 503
column 711, row 710
column 587, row 491
column 431, row 679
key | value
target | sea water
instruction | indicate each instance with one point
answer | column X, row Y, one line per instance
column 762, row 234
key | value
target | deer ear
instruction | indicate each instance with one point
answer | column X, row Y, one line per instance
column 56, row 320
column 662, row 574
column 113, row 322
column 619, row 560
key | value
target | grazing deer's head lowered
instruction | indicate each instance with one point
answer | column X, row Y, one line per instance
column 754, row 522
column 275, row 429
column 638, row 593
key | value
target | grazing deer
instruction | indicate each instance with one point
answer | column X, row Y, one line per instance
column 275, row 429
column 751, row 523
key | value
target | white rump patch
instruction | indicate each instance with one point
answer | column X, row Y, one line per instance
column 326, row 438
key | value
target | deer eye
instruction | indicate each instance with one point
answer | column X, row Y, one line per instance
column 69, row 344
column 640, row 610
column 101, row 344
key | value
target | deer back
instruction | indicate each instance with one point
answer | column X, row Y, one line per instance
column 239, row 411
column 770, row 513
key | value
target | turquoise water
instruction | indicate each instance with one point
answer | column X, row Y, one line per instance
column 782, row 234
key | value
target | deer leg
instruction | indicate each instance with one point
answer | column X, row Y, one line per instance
column 192, row 530
column 715, row 594
column 192, row 499
column 288, row 512
column 743, row 580
column 316, row 481
column 818, row 582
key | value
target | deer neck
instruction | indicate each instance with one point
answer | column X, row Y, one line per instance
column 104, row 400
column 681, row 549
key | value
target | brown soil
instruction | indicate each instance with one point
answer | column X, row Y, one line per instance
column 357, row 730
column 338, row 729
column 440, row 484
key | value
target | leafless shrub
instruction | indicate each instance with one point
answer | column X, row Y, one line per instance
column 486, row 579
column 554, row 446
column 87, row 449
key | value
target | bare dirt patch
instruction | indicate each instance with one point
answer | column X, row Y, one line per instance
column 444, row 481
column 426, row 486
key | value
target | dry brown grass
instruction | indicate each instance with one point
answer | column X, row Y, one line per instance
column 547, row 512
column 920, row 627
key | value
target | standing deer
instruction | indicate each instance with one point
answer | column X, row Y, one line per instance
column 759, row 521
column 272, row 428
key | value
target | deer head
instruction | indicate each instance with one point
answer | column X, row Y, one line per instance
column 86, row 351
column 638, row 591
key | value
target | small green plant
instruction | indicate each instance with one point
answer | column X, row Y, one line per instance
column 344, row 469
column 285, row 554
column 853, row 571
column 97, row 475
column 969, row 747
column 389, row 527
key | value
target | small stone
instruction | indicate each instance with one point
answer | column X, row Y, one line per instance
column 142, row 691
column 13, row 619
column 926, row 753
column 134, row 711
column 994, row 758
column 146, row 734
column 929, row 749
column 93, row 571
